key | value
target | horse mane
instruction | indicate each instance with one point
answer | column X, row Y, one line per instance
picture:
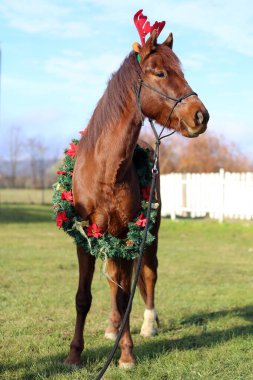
column 114, row 100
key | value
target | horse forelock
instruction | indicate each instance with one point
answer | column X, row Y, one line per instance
column 170, row 60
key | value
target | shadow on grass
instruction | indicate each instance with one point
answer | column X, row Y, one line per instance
column 201, row 319
column 192, row 342
column 50, row 365
column 20, row 213
column 93, row 359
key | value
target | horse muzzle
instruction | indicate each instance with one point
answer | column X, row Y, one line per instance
column 197, row 126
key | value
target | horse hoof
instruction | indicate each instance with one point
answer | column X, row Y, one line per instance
column 110, row 335
column 148, row 333
column 73, row 363
column 128, row 365
column 72, row 367
column 148, row 327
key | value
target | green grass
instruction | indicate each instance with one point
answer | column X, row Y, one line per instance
column 204, row 301
column 26, row 196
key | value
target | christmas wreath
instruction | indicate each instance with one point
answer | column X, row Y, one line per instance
column 90, row 236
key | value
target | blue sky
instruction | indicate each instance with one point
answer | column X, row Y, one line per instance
column 57, row 57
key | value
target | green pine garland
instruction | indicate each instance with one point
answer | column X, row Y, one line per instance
column 106, row 245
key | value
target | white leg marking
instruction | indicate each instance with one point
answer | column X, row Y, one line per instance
column 110, row 335
column 148, row 327
column 126, row 365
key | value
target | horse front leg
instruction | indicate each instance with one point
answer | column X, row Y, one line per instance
column 83, row 303
column 146, row 284
column 120, row 275
column 112, row 330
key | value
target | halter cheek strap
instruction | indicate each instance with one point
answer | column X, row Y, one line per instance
column 168, row 119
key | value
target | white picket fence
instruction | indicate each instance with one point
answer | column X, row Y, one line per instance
column 217, row 195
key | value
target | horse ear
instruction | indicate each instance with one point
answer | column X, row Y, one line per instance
column 150, row 45
column 169, row 41
column 136, row 47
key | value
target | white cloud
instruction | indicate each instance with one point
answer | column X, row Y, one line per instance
column 69, row 69
column 17, row 85
column 194, row 61
column 42, row 116
column 79, row 70
column 43, row 16
column 228, row 22
column 70, row 79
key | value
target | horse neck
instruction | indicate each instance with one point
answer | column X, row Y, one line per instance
column 116, row 144
column 115, row 124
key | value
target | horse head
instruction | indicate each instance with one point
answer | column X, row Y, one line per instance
column 164, row 93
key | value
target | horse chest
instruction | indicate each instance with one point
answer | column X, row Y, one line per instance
column 109, row 204
column 121, row 207
column 111, row 207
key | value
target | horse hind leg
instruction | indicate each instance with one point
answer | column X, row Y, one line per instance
column 83, row 303
column 146, row 284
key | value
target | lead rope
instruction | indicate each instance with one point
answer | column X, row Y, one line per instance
column 155, row 171
column 138, row 267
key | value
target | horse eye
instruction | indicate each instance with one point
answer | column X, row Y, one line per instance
column 160, row 74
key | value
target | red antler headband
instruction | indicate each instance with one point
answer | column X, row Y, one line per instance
column 143, row 26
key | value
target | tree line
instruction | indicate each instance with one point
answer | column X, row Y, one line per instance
column 26, row 164
column 205, row 154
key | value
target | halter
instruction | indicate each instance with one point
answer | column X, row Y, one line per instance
column 159, row 136
column 143, row 27
column 168, row 119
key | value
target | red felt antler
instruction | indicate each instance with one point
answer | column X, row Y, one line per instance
column 143, row 26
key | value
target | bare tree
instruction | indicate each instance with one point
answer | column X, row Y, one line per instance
column 42, row 169
column 37, row 151
column 33, row 149
column 15, row 151
column 207, row 153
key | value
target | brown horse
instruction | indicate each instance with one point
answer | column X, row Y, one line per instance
column 105, row 184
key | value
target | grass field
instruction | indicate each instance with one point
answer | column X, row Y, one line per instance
column 204, row 301
column 26, row 196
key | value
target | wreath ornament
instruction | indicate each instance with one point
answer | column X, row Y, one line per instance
column 90, row 236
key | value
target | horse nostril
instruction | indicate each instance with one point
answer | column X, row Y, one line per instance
column 206, row 117
column 199, row 117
